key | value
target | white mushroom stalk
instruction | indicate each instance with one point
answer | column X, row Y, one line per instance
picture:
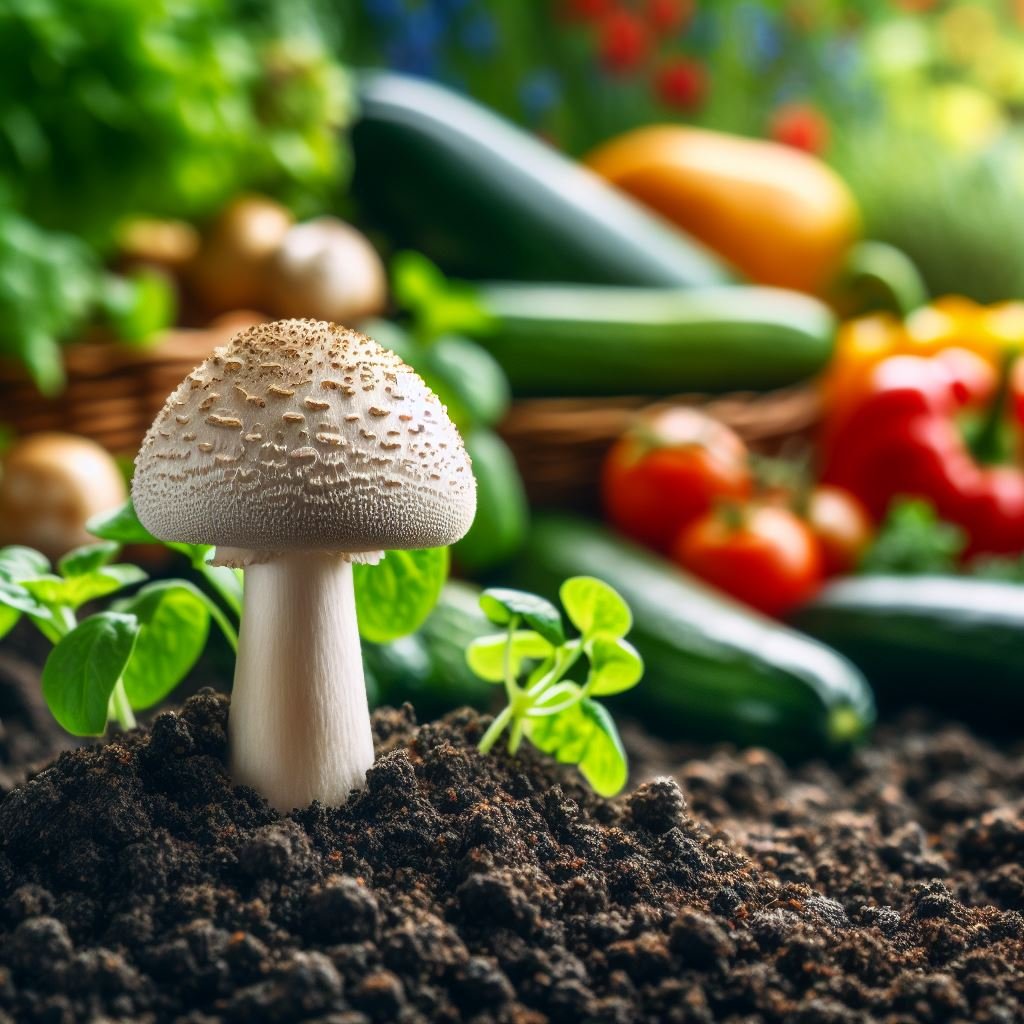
column 297, row 449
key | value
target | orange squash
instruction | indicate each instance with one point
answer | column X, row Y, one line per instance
column 779, row 216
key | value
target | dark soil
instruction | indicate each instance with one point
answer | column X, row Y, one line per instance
column 137, row 884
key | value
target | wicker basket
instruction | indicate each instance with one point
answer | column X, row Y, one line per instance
column 560, row 443
column 114, row 393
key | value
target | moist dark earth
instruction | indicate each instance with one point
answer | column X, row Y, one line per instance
column 136, row 884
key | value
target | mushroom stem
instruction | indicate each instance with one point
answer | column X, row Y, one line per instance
column 299, row 726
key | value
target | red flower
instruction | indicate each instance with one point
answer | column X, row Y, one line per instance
column 667, row 16
column 585, row 10
column 801, row 126
column 681, row 83
column 624, row 42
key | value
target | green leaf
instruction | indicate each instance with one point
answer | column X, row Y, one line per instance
column 76, row 590
column 83, row 669
column 8, row 619
column 594, row 608
column 500, row 605
column 486, row 655
column 394, row 597
column 18, row 598
column 583, row 735
column 121, row 525
column 87, row 558
column 913, row 540
column 174, row 624
column 19, row 563
column 615, row 666
column 438, row 306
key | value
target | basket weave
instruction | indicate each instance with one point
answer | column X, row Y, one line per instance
column 560, row 443
column 114, row 393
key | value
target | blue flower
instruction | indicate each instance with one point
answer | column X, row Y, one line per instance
column 538, row 93
column 759, row 31
column 384, row 10
column 480, row 34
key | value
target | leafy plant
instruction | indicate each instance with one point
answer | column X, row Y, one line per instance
column 557, row 715
column 114, row 662
column 393, row 598
column 913, row 540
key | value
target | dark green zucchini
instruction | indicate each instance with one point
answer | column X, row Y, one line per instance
column 950, row 642
column 439, row 173
column 713, row 669
column 429, row 667
column 600, row 340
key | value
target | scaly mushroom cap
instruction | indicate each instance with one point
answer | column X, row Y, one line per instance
column 302, row 435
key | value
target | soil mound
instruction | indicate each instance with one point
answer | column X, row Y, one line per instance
column 137, row 883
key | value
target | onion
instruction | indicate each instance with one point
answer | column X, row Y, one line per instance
column 327, row 270
column 51, row 485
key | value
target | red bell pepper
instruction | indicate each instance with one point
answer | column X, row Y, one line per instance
column 903, row 437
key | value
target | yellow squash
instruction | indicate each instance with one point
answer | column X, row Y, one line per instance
column 778, row 215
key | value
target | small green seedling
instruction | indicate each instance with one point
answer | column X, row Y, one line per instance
column 117, row 661
column 557, row 715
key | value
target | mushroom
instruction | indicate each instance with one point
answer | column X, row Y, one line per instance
column 327, row 269
column 51, row 485
column 298, row 449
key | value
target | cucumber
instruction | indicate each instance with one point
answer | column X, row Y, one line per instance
column 713, row 669
column 599, row 340
column 429, row 667
column 502, row 513
column 950, row 642
column 482, row 198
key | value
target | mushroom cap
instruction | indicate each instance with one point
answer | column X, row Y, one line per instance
column 302, row 435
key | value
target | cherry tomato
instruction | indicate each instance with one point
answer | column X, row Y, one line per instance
column 670, row 469
column 763, row 555
column 841, row 524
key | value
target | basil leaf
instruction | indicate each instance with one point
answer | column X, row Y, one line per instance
column 18, row 598
column 87, row 558
column 174, row 623
column 583, row 735
column 394, row 597
column 18, row 563
column 594, row 608
column 500, row 605
column 615, row 666
column 121, row 525
column 83, row 669
column 486, row 655
column 76, row 590
column 8, row 619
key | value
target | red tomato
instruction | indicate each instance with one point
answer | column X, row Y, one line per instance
column 768, row 558
column 841, row 524
column 669, row 470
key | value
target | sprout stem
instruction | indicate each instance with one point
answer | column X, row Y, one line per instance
column 120, row 709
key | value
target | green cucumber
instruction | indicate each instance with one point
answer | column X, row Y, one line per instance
column 439, row 173
column 502, row 513
column 950, row 642
column 713, row 669
column 594, row 340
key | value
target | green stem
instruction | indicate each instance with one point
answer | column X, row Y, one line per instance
column 119, row 708
column 516, row 736
column 494, row 730
column 556, row 673
column 986, row 446
column 229, row 631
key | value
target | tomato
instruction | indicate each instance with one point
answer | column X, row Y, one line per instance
column 763, row 555
column 841, row 524
column 670, row 469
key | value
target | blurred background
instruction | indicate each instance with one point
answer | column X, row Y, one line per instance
column 741, row 281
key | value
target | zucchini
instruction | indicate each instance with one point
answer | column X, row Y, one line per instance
column 502, row 512
column 713, row 669
column 950, row 642
column 429, row 667
column 594, row 340
column 482, row 198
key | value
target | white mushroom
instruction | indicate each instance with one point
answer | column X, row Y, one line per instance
column 298, row 449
